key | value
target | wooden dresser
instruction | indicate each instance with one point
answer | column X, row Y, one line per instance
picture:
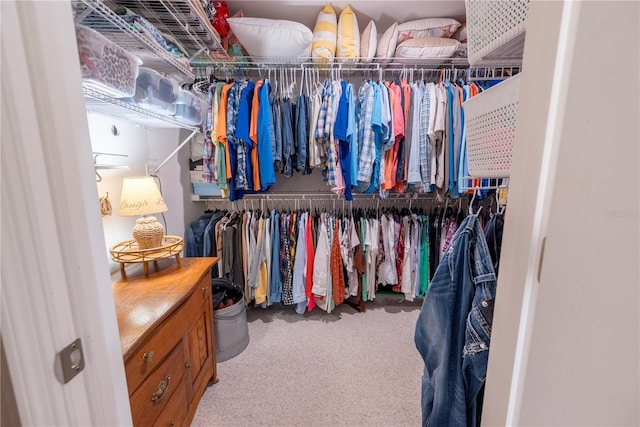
column 167, row 337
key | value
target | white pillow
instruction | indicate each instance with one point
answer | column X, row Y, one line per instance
column 461, row 34
column 427, row 27
column 369, row 42
column 262, row 37
column 427, row 47
column 348, row 46
column 387, row 43
column 325, row 35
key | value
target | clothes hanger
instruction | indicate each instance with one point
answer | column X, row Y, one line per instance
column 475, row 191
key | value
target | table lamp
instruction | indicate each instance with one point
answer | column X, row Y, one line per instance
column 141, row 197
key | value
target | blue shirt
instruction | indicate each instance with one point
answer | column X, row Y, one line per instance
column 340, row 126
column 265, row 152
column 352, row 135
column 243, row 126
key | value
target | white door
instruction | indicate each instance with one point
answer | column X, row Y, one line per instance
column 565, row 344
column 55, row 280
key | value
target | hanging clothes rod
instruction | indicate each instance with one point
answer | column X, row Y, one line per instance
column 277, row 63
column 289, row 197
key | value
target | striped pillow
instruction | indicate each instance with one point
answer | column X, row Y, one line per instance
column 325, row 35
column 348, row 49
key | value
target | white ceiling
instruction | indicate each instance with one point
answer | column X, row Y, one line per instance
column 383, row 12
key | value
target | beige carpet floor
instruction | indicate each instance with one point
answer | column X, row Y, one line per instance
column 340, row 369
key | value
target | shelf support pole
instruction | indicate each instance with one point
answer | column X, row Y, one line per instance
column 174, row 152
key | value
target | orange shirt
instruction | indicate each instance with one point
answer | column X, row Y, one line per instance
column 253, row 135
column 221, row 125
column 255, row 105
column 406, row 93
column 391, row 158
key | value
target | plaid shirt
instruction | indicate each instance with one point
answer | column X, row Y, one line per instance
column 208, row 151
column 425, row 143
column 367, row 155
column 285, row 260
column 333, row 163
column 333, row 155
column 324, row 105
column 233, row 108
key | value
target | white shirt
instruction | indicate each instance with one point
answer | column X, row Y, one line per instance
column 413, row 169
column 321, row 266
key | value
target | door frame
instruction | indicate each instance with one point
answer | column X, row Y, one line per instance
column 56, row 284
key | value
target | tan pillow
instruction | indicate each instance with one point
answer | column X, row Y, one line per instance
column 369, row 42
column 387, row 43
column 427, row 47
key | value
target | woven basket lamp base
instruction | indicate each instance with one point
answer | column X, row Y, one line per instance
column 148, row 232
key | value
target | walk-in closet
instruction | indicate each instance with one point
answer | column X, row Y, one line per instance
column 276, row 213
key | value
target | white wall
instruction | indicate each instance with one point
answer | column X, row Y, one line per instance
column 145, row 147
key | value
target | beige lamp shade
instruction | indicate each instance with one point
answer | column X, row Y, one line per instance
column 141, row 196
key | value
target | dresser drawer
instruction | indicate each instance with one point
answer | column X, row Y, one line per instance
column 174, row 414
column 156, row 391
column 159, row 344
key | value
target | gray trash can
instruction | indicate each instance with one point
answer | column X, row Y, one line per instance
column 230, row 322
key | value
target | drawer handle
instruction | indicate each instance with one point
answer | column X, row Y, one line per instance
column 147, row 356
column 162, row 387
column 171, row 423
column 187, row 365
column 204, row 289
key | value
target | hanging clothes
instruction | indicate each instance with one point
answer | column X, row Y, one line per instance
column 459, row 301
column 265, row 136
column 388, row 137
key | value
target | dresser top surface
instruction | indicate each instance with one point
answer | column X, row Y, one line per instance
column 142, row 302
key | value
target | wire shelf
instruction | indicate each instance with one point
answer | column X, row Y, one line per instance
column 244, row 62
column 94, row 14
column 179, row 19
column 112, row 107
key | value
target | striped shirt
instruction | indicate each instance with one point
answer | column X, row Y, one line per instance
column 208, row 150
column 425, row 144
column 233, row 108
column 367, row 138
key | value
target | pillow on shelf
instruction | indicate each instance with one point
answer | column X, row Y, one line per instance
column 427, row 47
column 369, row 42
column 325, row 36
column 348, row 46
column 231, row 44
column 262, row 37
column 427, row 27
column 387, row 43
column 461, row 34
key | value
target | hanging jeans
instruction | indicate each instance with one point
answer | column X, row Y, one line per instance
column 301, row 134
column 288, row 149
column 275, row 283
column 453, row 330
column 493, row 233
column 276, row 141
